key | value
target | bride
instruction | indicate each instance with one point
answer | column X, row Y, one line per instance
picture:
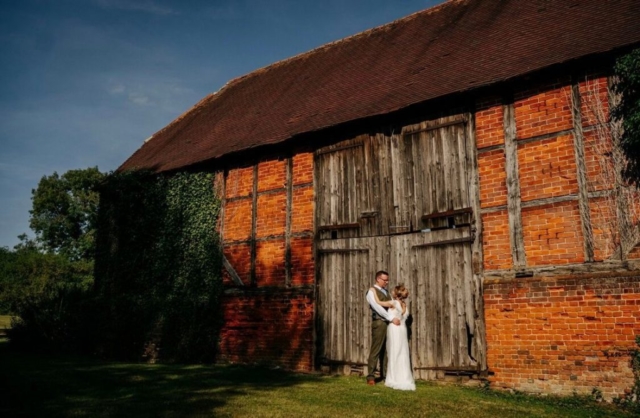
column 399, row 373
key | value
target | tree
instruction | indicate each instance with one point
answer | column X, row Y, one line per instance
column 64, row 212
column 627, row 110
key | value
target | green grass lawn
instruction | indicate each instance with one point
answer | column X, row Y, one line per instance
column 52, row 386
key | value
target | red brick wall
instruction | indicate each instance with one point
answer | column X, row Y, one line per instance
column 268, row 327
column 493, row 178
column 543, row 109
column 493, row 188
column 547, row 168
column 552, row 234
column 495, row 241
column 554, row 334
column 270, row 318
column 562, row 334
column 489, row 122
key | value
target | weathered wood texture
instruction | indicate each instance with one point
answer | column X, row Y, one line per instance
column 513, row 186
column 401, row 202
column 386, row 183
column 581, row 173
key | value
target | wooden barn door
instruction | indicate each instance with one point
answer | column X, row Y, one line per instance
column 405, row 203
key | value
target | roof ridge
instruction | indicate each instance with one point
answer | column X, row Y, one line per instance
column 349, row 38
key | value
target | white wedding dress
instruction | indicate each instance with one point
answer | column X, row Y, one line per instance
column 399, row 373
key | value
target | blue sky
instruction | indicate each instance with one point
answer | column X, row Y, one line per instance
column 84, row 82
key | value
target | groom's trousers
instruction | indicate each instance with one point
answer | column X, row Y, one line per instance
column 378, row 349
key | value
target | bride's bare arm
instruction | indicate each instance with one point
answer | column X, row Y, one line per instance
column 379, row 302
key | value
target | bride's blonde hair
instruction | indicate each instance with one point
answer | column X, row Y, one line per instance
column 400, row 292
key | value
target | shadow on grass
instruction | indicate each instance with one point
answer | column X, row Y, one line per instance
column 46, row 386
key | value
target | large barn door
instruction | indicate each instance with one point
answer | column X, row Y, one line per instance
column 403, row 203
column 436, row 268
column 346, row 268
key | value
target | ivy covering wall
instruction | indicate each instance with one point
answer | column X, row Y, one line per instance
column 158, row 265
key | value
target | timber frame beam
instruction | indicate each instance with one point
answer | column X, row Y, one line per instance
column 513, row 185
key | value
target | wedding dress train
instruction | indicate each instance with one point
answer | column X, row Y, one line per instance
column 399, row 373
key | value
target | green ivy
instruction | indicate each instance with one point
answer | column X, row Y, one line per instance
column 158, row 266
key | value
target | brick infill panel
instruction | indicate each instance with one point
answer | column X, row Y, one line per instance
column 269, row 325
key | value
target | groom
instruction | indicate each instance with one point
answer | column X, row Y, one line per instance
column 379, row 320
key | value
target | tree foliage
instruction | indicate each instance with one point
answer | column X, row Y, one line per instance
column 627, row 110
column 158, row 266
column 43, row 290
column 64, row 212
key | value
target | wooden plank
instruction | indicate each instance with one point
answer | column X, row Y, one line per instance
column 447, row 213
column 411, row 182
column 352, row 303
column 232, row 272
column 490, row 148
column 549, row 200
column 363, row 321
column 474, row 301
column 370, row 184
column 433, row 314
column 337, row 227
column 254, row 222
column 386, row 183
column 287, row 232
column 444, row 322
column 418, row 179
column 469, row 304
column 461, row 341
column 340, row 148
column 542, row 137
column 340, row 311
column 581, row 172
column 440, row 174
column 341, row 250
column 513, row 186
column 462, row 167
column 438, row 125
column 446, row 242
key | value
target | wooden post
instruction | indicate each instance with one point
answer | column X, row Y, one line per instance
column 254, row 222
column 287, row 244
column 479, row 347
column 583, row 192
column 513, row 186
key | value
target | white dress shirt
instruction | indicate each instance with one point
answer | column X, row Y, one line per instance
column 376, row 307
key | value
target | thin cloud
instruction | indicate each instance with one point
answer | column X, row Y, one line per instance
column 117, row 89
column 139, row 99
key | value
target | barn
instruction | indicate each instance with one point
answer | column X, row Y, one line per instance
column 467, row 150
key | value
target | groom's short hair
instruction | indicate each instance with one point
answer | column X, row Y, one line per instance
column 381, row 273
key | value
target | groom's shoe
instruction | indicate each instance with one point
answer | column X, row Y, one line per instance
column 371, row 382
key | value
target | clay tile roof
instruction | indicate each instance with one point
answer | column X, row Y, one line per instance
column 456, row 46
